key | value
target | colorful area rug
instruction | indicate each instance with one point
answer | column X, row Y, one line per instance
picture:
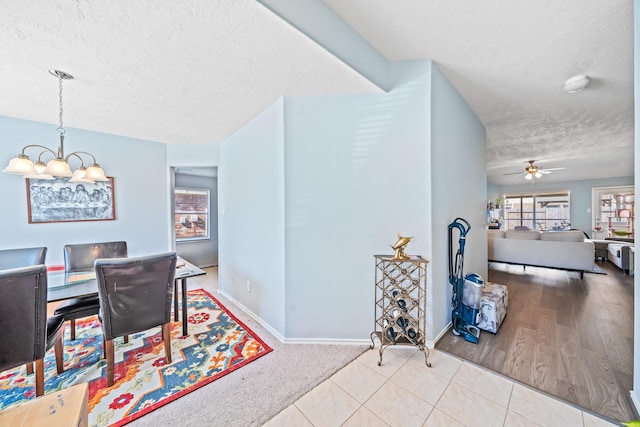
column 217, row 344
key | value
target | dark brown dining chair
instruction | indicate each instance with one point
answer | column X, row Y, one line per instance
column 135, row 295
column 22, row 257
column 80, row 257
column 25, row 331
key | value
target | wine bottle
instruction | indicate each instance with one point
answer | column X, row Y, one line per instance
column 403, row 323
column 391, row 335
column 400, row 302
column 413, row 335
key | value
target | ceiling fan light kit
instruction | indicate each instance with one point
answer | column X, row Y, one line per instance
column 576, row 83
column 532, row 171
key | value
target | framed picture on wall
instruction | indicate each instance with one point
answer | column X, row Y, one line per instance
column 59, row 200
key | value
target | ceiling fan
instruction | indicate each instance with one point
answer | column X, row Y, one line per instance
column 533, row 171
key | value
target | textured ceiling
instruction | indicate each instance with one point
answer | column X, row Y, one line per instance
column 196, row 71
column 509, row 60
column 168, row 71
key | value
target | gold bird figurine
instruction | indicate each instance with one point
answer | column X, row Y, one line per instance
column 399, row 246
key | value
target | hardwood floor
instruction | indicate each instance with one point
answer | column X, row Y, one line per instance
column 567, row 337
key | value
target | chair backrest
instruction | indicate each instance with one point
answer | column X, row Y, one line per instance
column 135, row 293
column 521, row 228
column 80, row 257
column 23, row 315
column 22, row 257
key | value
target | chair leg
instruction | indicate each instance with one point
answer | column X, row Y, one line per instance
column 29, row 368
column 108, row 348
column 72, row 332
column 166, row 336
column 59, row 356
column 39, row 377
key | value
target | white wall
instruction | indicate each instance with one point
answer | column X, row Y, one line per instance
column 141, row 193
column 356, row 174
column 251, row 217
column 315, row 186
column 635, row 393
column 194, row 155
column 458, row 189
column 318, row 22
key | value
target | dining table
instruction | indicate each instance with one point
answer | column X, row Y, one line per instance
column 63, row 286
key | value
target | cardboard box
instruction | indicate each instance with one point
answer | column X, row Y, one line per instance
column 65, row 408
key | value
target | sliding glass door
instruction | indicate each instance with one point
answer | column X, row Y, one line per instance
column 537, row 212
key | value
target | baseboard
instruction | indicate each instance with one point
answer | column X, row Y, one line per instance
column 432, row 344
column 334, row 341
column 254, row 316
column 635, row 399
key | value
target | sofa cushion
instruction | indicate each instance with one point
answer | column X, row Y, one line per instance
column 495, row 234
column 567, row 255
column 522, row 235
column 562, row 236
column 614, row 249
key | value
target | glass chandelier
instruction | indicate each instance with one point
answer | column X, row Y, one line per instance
column 58, row 166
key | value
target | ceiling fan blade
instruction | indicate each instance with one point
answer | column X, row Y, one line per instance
column 537, row 169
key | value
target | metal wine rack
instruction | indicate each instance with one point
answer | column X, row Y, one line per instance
column 400, row 303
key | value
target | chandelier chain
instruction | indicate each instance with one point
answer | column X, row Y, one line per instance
column 60, row 128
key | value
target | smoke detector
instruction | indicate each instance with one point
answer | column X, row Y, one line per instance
column 576, row 84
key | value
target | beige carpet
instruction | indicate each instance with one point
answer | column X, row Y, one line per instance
column 257, row 392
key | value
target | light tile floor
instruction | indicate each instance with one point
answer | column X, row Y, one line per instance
column 405, row 392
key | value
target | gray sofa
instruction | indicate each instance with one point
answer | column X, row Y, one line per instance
column 566, row 250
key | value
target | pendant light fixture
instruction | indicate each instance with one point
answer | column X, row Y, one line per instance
column 58, row 166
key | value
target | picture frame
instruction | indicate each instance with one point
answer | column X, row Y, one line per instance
column 59, row 200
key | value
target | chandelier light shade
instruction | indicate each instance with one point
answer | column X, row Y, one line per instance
column 78, row 175
column 58, row 166
column 95, row 173
column 21, row 165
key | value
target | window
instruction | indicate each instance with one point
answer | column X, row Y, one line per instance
column 613, row 211
column 538, row 211
column 191, row 213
